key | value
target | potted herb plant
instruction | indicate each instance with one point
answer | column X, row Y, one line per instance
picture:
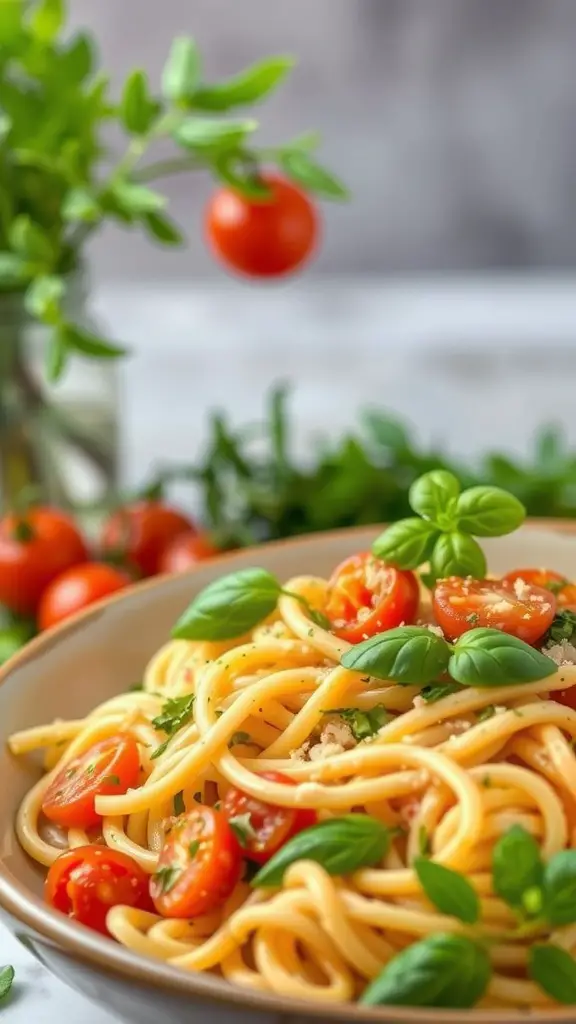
column 59, row 184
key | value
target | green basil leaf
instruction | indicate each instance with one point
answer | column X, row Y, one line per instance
column 43, row 299
column 89, row 344
column 436, row 691
column 229, row 607
column 137, row 199
column 516, row 866
column 57, row 355
column 29, row 240
column 80, row 205
column 489, row 512
column 138, row 110
column 162, row 229
column 554, row 970
column 457, row 554
column 47, row 20
column 489, row 657
column 433, row 496
column 249, row 86
column 408, row 543
column 204, row 133
column 14, row 271
column 408, row 654
column 363, row 724
column 300, row 167
column 560, row 889
column 340, row 845
column 6, row 980
column 443, row 970
column 182, row 70
column 449, row 891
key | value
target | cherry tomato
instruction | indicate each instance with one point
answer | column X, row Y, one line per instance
column 139, row 533
column 567, row 597
column 265, row 827
column 545, row 578
column 185, row 551
column 76, row 589
column 462, row 604
column 86, row 882
column 566, row 697
column 263, row 237
column 200, row 864
column 35, row 548
column 366, row 596
column 108, row 768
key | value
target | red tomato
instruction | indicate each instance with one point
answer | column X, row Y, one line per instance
column 366, row 596
column 200, row 864
column 263, row 237
column 566, row 697
column 76, row 589
column 186, row 551
column 567, row 597
column 108, row 768
column 462, row 604
column 34, row 549
column 86, row 882
column 139, row 533
column 546, row 578
column 266, row 828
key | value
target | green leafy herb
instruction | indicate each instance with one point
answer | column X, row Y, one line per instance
column 559, row 904
column 340, row 845
column 407, row 543
column 563, row 627
column 230, row 606
column 176, row 713
column 489, row 657
column 408, row 654
column 516, row 866
column 485, row 713
column 424, row 845
column 253, row 84
column 449, row 891
column 179, row 805
column 554, row 970
column 6, row 980
column 112, row 780
column 241, row 825
column 239, row 737
column 443, row 970
column 437, row 691
column 136, row 688
column 457, row 554
column 363, row 724
column 434, row 495
column 182, row 71
column 489, row 512
column 193, row 848
column 167, row 877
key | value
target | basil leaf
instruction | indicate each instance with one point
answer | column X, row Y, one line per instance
column 299, row 166
column 229, row 607
column 436, row 691
column 181, row 71
column 516, row 866
column 408, row 654
column 137, row 109
column 202, row 133
column 489, row 512
column 407, row 543
column 560, row 889
column 363, row 724
column 253, row 84
column 433, row 496
column 457, row 554
column 489, row 657
column 450, row 892
column 554, row 970
column 6, row 980
column 137, row 199
column 443, row 970
column 162, row 229
column 340, row 845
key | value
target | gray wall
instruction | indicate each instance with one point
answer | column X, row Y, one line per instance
column 452, row 120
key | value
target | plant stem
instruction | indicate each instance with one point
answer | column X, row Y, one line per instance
column 162, row 168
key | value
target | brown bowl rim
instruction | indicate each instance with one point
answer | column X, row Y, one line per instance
column 95, row 951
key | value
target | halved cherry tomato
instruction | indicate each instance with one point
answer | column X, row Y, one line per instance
column 567, row 597
column 76, row 589
column 108, row 768
column 546, row 578
column 139, row 533
column 462, row 604
column 185, row 551
column 265, row 827
column 35, row 547
column 199, row 866
column 86, row 882
column 366, row 596
column 566, row 697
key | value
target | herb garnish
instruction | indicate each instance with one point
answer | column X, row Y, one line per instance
column 176, row 713
column 436, row 691
column 178, row 802
column 563, row 627
column 193, row 848
column 6, row 980
column 363, row 724
column 112, row 780
column 167, row 878
column 424, row 845
column 241, row 825
column 485, row 713
column 239, row 737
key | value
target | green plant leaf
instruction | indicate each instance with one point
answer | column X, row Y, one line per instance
column 57, row 355
column 181, row 72
column 489, row 512
column 516, row 866
column 237, row 169
column 14, row 271
column 6, row 980
column 90, row 345
column 449, row 891
column 43, row 298
column 162, row 229
column 79, row 204
column 249, row 86
column 229, row 607
column 433, row 496
column 563, row 627
column 408, row 654
column 363, row 724
column 300, row 167
column 340, row 845
column 407, row 544
column 206, row 134
column 443, row 970
column 560, row 889
column 47, row 19
column 137, row 109
column 137, row 200
column 30, row 241
column 77, row 61
column 437, row 691
column 305, row 143
column 554, row 970
column 489, row 657
column 11, row 24
column 12, row 638
column 457, row 554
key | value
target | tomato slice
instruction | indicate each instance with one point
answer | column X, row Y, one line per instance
column 263, row 827
column 524, row 610
column 108, row 768
column 200, row 864
column 546, row 578
column 366, row 596
column 86, row 882
column 567, row 597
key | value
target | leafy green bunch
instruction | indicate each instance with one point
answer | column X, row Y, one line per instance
column 57, row 184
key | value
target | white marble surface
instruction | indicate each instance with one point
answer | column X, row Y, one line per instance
column 477, row 364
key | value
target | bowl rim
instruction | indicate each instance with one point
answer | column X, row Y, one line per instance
column 98, row 952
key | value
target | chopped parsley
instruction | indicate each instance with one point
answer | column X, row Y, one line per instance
column 563, row 627
column 112, row 780
column 71, row 772
column 240, row 737
column 488, row 712
column 436, row 691
column 179, row 805
column 472, row 618
column 555, row 586
column 91, row 768
column 364, row 724
column 6, row 980
column 176, row 713
column 193, row 848
column 167, row 878
column 424, row 842
column 242, row 828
